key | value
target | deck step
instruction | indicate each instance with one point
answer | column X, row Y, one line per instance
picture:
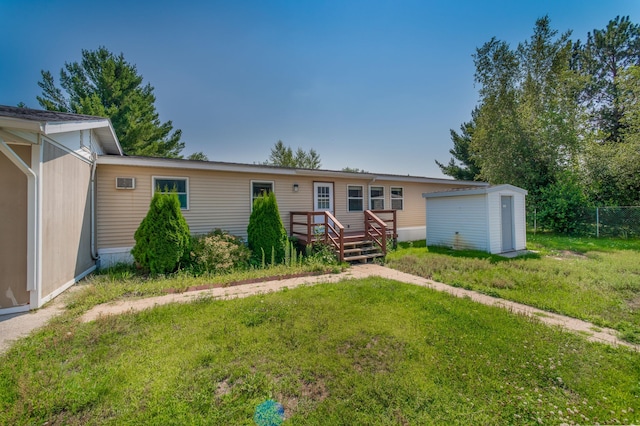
column 362, row 257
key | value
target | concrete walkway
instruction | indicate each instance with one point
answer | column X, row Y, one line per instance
column 21, row 325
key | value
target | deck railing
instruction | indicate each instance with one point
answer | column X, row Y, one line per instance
column 390, row 219
column 328, row 229
column 375, row 230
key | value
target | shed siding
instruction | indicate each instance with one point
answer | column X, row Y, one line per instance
column 13, row 230
column 66, row 218
column 457, row 222
column 494, row 229
column 223, row 200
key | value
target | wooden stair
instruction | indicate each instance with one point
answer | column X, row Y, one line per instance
column 359, row 249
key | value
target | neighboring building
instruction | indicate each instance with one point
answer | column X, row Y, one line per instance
column 46, row 195
column 220, row 195
column 490, row 219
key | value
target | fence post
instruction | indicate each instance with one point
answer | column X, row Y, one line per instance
column 597, row 222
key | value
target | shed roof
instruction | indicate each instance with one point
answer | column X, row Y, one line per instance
column 461, row 192
column 52, row 122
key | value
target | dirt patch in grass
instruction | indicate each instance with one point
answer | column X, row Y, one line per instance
column 634, row 303
column 568, row 254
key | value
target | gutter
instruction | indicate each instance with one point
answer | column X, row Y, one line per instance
column 94, row 253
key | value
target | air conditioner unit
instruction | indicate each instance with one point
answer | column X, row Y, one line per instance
column 125, row 183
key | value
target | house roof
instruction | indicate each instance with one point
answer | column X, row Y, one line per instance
column 474, row 191
column 267, row 169
column 52, row 122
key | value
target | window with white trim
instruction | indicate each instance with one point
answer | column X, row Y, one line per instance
column 169, row 184
column 397, row 198
column 376, row 197
column 355, row 198
column 259, row 188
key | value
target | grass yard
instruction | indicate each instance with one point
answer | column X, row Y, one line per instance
column 123, row 281
column 597, row 280
column 359, row 352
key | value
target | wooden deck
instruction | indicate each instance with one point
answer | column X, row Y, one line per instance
column 379, row 230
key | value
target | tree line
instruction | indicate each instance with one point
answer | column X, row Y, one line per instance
column 558, row 117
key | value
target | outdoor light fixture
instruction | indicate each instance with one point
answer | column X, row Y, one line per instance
column 295, row 187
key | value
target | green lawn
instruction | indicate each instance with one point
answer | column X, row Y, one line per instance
column 597, row 280
column 367, row 351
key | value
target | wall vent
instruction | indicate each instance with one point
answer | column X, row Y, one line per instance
column 125, row 183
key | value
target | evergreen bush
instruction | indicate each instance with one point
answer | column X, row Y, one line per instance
column 266, row 235
column 163, row 238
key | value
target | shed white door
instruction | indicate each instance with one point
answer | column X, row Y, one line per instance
column 322, row 199
column 507, row 223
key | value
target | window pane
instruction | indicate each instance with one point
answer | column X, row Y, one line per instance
column 183, row 200
column 180, row 185
column 377, row 204
column 355, row 205
column 355, row 192
column 177, row 185
column 396, row 204
column 396, row 192
column 376, row 191
column 261, row 188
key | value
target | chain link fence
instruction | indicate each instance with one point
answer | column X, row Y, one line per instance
column 622, row 222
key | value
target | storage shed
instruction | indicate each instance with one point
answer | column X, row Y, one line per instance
column 490, row 219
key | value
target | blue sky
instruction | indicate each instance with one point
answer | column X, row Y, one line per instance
column 369, row 84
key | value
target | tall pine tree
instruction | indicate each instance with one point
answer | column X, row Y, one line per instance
column 106, row 85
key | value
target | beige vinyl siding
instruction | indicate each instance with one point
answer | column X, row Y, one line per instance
column 13, row 229
column 216, row 200
column 66, row 218
column 222, row 199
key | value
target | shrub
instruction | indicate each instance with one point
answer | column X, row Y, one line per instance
column 266, row 235
column 562, row 207
column 321, row 255
column 162, row 239
column 218, row 251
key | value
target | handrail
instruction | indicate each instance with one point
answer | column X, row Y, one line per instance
column 333, row 230
column 392, row 224
column 376, row 230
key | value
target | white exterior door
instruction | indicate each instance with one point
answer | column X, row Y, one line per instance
column 322, row 199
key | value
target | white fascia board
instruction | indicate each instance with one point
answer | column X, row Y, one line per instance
column 72, row 126
column 478, row 191
column 16, row 123
column 419, row 179
column 191, row 165
column 249, row 168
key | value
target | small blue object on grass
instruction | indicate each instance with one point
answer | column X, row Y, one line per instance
column 269, row 413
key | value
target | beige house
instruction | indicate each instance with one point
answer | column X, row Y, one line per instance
column 47, row 161
column 70, row 201
column 220, row 195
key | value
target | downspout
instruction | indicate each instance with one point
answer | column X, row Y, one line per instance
column 33, row 259
column 94, row 253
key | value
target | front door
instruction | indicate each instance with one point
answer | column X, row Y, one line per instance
column 322, row 200
column 507, row 223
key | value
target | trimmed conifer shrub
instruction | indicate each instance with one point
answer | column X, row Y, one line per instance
column 266, row 235
column 163, row 238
